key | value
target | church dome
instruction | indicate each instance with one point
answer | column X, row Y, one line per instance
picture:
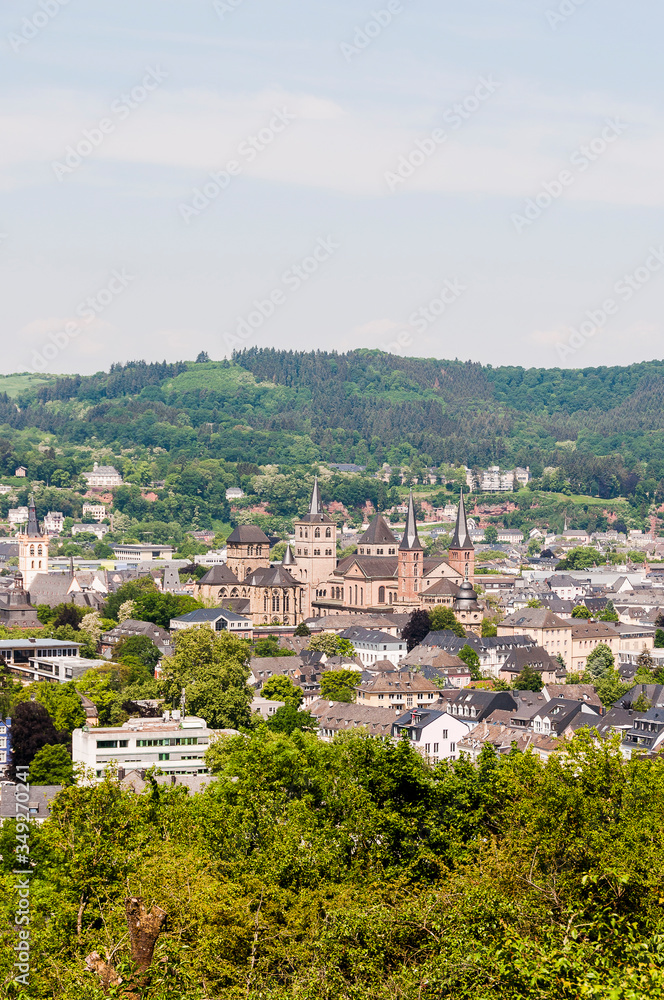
column 466, row 599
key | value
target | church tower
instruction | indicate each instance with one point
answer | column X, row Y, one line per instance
column 411, row 561
column 32, row 549
column 462, row 551
column 315, row 548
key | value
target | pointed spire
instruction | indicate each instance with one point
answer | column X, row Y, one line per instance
column 315, row 507
column 410, row 538
column 32, row 530
column 461, row 538
column 289, row 558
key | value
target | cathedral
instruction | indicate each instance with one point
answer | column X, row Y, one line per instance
column 383, row 576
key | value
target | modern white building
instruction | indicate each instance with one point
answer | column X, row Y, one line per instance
column 371, row 645
column 55, row 659
column 17, row 515
column 92, row 529
column 432, row 732
column 141, row 552
column 173, row 744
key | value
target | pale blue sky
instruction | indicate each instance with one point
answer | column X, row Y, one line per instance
column 345, row 116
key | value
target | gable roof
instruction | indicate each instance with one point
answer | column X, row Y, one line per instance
column 535, row 618
column 246, row 534
column 378, row 533
column 209, row 615
column 218, row 576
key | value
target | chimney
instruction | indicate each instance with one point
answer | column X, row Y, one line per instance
column 173, row 779
column 121, row 773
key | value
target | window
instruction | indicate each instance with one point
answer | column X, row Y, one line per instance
column 435, row 747
column 452, row 747
column 427, row 747
column 164, row 756
column 444, row 734
column 107, row 744
column 381, row 595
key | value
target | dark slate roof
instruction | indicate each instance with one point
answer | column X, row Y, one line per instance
column 444, row 587
column 411, row 541
column 32, row 529
column 275, row 576
column 39, row 805
column 423, row 717
column 359, row 634
column 248, row 534
column 219, row 576
column 461, row 538
column 536, row 618
column 378, row 533
column 530, row 656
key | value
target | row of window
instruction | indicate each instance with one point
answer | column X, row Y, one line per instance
column 317, row 533
column 175, row 741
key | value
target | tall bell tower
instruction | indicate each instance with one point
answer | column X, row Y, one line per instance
column 411, row 561
column 462, row 551
column 32, row 549
column 315, row 548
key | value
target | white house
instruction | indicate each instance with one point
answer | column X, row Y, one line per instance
column 96, row 511
column 103, row 475
column 90, row 529
column 218, row 619
column 54, row 522
column 371, row 645
column 432, row 732
column 18, row 515
column 141, row 552
column 174, row 744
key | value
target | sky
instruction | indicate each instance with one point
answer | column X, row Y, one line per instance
column 478, row 180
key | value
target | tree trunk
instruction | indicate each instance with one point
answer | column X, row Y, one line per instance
column 144, row 929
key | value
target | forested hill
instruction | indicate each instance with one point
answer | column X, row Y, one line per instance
column 268, row 406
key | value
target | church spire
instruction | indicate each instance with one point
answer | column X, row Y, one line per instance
column 289, row 558
column 461, row 538
column 315, row 507
column 32, row 531
column 410, row 538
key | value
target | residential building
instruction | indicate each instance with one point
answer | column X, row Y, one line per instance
column 545, row 628
column 433, row 732
column 335, row 717
column 647, row 732
column 54, row 522
column 38, row 807
column 534, row 657
column 103, row 475
column 174, row 744
column 586, row 636
column 473, row 705
column 559, row 714
column 132, row 627
column 568, row 588
column 93, row 529
column 575, row 692
column 265, row 707
column 492, row 651
column 371, row 645
column 510, row 536
column 17, row 516
column 398, row 691
column 234, row 493
column 504, row 738
column 21, row 472
column 218, row 619
column 95, row 511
